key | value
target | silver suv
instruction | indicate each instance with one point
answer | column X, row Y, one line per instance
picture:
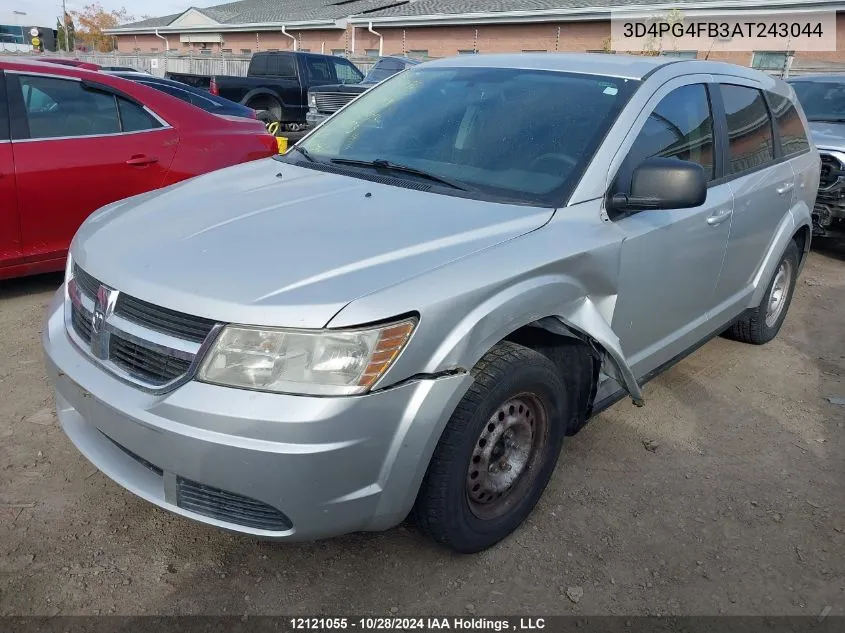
column 409, row 311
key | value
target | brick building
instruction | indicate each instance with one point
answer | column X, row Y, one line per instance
column 429, row 28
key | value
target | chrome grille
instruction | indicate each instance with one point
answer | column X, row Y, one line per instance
column 229, row 507
column 164, row 320
column 81, row 320
column 148, row 365
column 150, row 346
column 332, row 101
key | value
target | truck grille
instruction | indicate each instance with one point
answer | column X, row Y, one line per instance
column 158, row 351
column 229, row 507
column 329, row 102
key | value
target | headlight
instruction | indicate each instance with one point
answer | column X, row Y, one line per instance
column 315, row 362
column 312, row 100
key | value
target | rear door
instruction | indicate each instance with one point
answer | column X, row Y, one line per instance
column 10, row 234
column 762, row 182
column 78, row 147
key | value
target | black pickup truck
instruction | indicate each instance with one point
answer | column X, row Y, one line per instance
column 323, row 101
column 277, row 83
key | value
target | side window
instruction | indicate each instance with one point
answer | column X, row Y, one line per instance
column 346, row 72
column 258, row 66
column 793, row 136
column 750, row 141
column 281, row 66
column 681, row 126
column 62, row 107
column 319, row 70
column 134, row 118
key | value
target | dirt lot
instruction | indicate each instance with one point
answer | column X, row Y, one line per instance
column 740, row 509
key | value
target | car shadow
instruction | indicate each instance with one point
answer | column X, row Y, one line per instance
column 832, row 247
column 23, row 286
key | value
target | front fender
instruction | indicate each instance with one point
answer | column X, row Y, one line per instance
column 558, row 304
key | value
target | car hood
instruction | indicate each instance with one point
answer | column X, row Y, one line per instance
column 270, row 243
column 343, row 88
column 828, row 135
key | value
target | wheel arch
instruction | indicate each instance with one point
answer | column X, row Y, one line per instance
column 262, row 92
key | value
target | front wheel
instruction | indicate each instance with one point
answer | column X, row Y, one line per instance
column 498, row 451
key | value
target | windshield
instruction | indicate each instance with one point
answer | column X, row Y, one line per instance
column 501, row 133
column 821, row 100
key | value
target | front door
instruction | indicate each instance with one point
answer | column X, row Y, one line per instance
column 670, row 259
column 77, row 149
column 10, row 235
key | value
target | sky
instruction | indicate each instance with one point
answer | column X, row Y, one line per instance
column 45, row 12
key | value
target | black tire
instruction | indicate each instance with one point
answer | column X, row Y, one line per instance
column 507, row 375
column 754, row 327
column 267, row 109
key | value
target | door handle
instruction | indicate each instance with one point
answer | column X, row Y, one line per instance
column 139, row 160
column 719, row 216
column 784, row 188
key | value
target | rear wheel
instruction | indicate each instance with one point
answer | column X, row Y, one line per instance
column 267, row 109
column 763, row 323
column 498, row 450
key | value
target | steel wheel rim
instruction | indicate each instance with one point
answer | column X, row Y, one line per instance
column 506, row 456
column 779, row 293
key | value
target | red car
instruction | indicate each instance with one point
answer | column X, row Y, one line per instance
column 73, row 140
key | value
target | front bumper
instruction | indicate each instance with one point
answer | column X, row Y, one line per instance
column 313, row 118
column 275, row 466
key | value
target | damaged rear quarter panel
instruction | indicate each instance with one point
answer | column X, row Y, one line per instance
column 567, row 269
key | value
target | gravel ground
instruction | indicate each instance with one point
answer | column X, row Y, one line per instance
column 739, row 509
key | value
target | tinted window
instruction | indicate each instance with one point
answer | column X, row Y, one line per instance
column 750, row 143
column 134, row 118
column 467, row 129
column 62, row 107
column 281, row 66
column 822, row 100
column 258, row 65
column 384, row 69
column 793, row 136
column 346, row 72
column 681, row 127
column 319, row 69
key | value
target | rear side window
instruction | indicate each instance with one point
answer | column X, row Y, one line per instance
column 281, row 66
column 346, row 72
column 319, row 70
column 750, row 140
column 134, row 118
column 681, row 126
column 258, row 65
column 793, row 136
column 62, row 107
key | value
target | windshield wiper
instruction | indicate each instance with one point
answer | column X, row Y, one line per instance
column 827, row 119
column 304, row 152
column 381, row 163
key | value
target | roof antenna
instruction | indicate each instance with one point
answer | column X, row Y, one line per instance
column 712, row 42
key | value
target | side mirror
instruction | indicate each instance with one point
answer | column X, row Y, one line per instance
column 664, row 183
